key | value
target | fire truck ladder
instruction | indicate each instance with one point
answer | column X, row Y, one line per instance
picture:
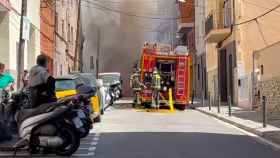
column 180, row 90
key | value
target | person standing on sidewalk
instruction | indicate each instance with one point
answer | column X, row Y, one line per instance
column 6, row 81
column 6, row 78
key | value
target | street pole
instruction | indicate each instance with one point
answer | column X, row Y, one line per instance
column 76, row 60
column 229, row 106
column 98, row 52
column 264, row 111
column 219, row 103
column 20, row 59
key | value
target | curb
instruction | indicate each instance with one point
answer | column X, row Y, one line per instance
column 265, row 138
column 251, row 130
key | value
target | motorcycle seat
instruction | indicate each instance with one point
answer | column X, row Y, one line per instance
column 26, row 113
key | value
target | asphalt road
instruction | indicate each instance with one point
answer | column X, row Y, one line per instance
column 128, row 133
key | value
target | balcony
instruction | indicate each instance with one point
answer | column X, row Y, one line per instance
column 5, row 5
column 217, row 27
column 187, row 13
column 184, row 26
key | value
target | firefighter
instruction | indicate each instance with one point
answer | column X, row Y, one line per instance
column 136, row 86
column 156, row 85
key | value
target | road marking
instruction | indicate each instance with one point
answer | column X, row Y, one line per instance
column 96, row 138
column 94, row 143
column 252, row 135
column 92, row 148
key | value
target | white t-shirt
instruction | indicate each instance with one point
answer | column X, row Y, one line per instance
column 38, row 75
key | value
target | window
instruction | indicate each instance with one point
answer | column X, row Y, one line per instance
column 198, row 72
column 72, row 35
column 68, row 33
column 62, row 28
column 56, row 22
column 227, row 13
column 60, row 69
column 91, row 63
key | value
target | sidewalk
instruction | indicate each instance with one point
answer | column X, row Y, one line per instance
column 248, row 120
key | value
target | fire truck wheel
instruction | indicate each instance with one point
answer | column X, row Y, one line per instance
column 146, row 105
column 180, row 107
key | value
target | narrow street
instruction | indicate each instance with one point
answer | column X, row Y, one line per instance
column 126, row 133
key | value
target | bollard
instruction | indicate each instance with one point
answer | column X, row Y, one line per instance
column 171, row 103
column 203, row 99
column 209, row 101
column 264, row 111
column 219, row 103
column 229, row 106
column 192, row 96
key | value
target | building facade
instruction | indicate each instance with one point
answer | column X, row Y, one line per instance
column 167, row 29
column 10, row 15
column 66, row 19
column 47, row 21
column 233, row 33
column 199, row 62
column 186, row 34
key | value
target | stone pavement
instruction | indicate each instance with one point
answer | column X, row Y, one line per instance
column 248, row 120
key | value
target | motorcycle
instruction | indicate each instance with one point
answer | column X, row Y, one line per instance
column 52, row 126
column 84, row 109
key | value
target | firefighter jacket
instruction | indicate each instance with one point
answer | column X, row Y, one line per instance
column 156, row 81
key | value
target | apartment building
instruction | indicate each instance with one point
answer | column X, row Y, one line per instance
column 186, row 33
column 47, row 22
column 233, row 34
column 66, row 19
column 10, row 11
column 166, row 29
column 199, row 61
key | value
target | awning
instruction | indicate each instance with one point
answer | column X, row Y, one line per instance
column 5, row 5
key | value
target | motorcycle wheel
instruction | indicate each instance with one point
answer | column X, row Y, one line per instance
column 87, row 129
column 34, row 145
column 72, row 141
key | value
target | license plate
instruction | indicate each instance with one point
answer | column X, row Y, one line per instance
column 77, row 122
column 81, row 114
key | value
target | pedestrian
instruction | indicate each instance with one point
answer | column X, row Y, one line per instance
column 6, row 81
column 41, row 83
column 25, row 78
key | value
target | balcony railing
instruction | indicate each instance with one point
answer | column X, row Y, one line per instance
column 218, row 20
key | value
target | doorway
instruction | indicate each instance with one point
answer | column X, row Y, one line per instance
column 223, row 88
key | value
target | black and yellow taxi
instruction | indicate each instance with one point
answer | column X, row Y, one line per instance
column 66, row 86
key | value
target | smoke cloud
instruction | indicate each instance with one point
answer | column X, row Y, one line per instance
column 122, row 37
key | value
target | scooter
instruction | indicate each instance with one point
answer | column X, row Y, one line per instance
column 52, row 126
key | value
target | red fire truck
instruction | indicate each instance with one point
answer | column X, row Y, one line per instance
column 175, row 73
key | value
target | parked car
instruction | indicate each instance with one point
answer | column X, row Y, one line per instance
column 107, row 100
column 112, row 79
column 67, row 85
column 91, row 80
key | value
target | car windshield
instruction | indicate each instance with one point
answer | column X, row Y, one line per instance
column 89, row 79
column 109, row 79
column 67, row 84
